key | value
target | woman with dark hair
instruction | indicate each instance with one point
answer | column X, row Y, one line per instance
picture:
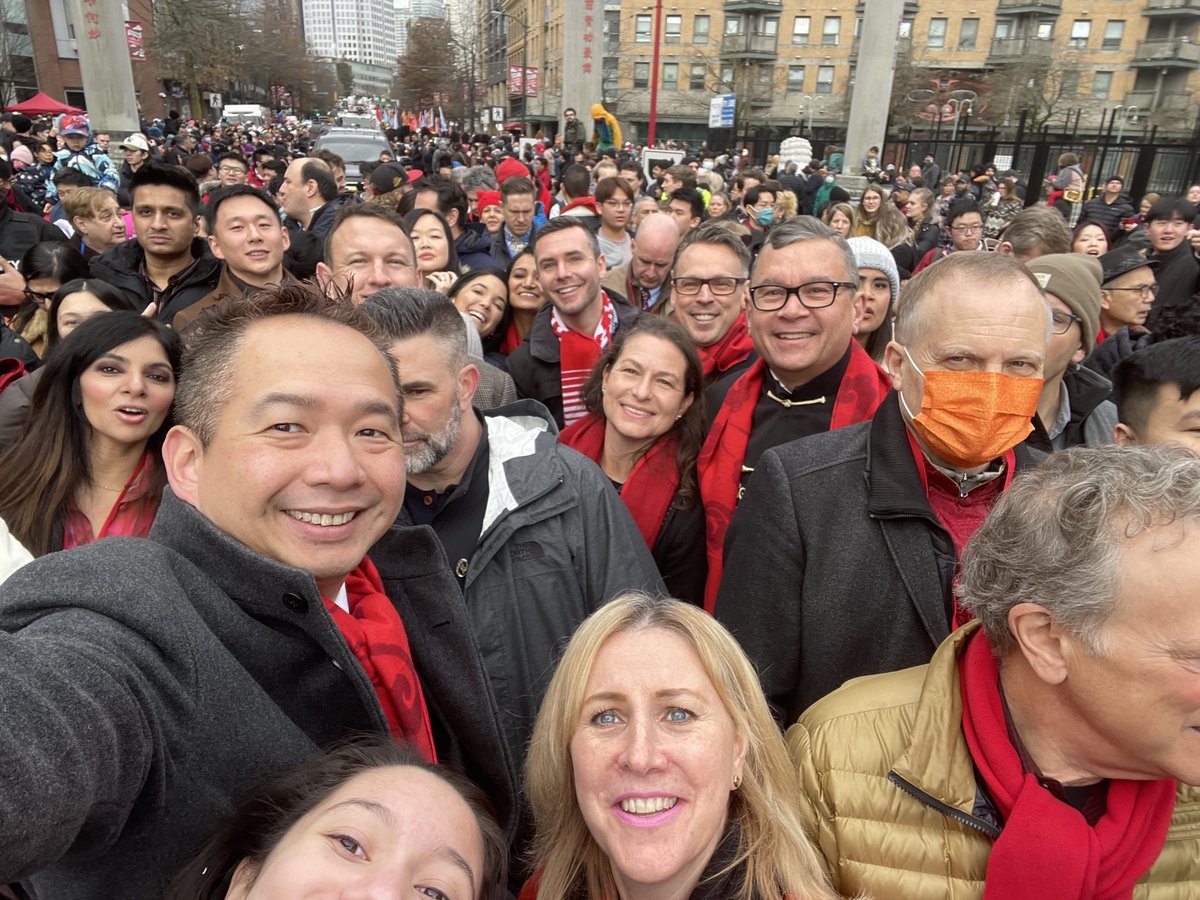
column 645, row 427
column 1004, row 210
column 45, row 267
column 86, row 466
column 73, row 303
column 482, row 296
column 437, row 259
column 525, row 298
column 368, row 816
column 1090, row 239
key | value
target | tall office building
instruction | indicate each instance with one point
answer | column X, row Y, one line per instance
column 361, row 31
column 407, row 11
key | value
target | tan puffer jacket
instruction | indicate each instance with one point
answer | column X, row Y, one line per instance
column 889, row 791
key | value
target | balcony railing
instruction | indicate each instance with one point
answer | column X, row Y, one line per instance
column 750, row 6
column 1020, row 48
column 1167, row 101
column 1017, row 7
column 749, row 45
column 1167, row 51
column 1167, row 8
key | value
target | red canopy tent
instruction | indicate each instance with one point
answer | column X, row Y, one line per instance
column 41, row 104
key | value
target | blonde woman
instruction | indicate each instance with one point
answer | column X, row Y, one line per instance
column 656, row 769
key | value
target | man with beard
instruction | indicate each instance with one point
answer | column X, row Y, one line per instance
column 533, row 531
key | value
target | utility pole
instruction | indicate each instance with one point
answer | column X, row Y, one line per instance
column 872, row 96
column 104, row 66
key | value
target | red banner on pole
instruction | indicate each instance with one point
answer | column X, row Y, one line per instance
column 136, row 41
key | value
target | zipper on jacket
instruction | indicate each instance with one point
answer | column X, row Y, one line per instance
column 956, row 814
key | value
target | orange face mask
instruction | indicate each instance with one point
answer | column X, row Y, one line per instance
column 970, row 418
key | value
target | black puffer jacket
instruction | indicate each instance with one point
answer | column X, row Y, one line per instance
column 122, row 265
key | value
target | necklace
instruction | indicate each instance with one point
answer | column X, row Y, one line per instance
column 105, row 487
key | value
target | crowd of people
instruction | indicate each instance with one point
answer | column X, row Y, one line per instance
column 552, row 524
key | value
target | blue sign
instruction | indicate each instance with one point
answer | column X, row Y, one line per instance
column 721, row 110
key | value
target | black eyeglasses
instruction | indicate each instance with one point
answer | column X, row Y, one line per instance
column 1061, row 322
column 1146, row 290
column 811, row 294
column 39, row 296
column 721, row 286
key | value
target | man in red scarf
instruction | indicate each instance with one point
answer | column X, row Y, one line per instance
column 712, row 270
column 810, row 376
column 572, row 330
column 841, row 560
column 1046, row 752
column 158, row 677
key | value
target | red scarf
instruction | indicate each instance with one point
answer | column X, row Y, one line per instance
column 1047, row 850
column 375, row 634
column 578, row 355
column 862, row 389
column 730, row 350
column 651, row 485
column 512, row 339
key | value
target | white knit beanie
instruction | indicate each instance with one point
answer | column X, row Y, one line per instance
column 870, row 254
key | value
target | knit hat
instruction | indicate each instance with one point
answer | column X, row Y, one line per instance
column 488, row 198
column 870, row 254
column 387, row 178
column 21, row 123
column 1074, row 278
column 510, row 168
column 21, row 156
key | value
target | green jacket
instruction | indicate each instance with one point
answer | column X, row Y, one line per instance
column 890, row 794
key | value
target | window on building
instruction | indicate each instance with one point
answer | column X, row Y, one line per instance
column 612, row 30
column 764, row 75
column 670, row 77
column 1045, row 31
column 801, row 28
column 641, row 74
column 733, row 25
column 771, row 26
column 937, row 33
column 1070, row 84
column 795, row 81
column 673, row 33
column 642, row 29
column 1081, row 30
column 906, row 27
column 832, row 30
column 726, row 77
column 824, row 79
column 1114, row 32
column 700, row 30
column 968, row 32
column 1101, row 85
column 696, row 77
column 857, row 27
column 1004, row 29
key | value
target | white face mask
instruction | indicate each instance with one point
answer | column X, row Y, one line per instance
column 708, row 164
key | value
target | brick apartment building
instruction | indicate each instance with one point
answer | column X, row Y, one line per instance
column 792, row 61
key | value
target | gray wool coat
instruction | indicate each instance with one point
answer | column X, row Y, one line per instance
column 144, row 684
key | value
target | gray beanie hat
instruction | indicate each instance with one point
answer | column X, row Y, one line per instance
column 870, row 254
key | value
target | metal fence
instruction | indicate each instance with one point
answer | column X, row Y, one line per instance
column 1147, row 161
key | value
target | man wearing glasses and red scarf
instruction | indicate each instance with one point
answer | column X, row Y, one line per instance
column 1050, row 749
column 572, row 330
column 811, row 375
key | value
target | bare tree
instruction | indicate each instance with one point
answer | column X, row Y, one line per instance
column 16, row 51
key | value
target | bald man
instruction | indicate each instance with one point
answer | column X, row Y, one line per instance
column 645, row 279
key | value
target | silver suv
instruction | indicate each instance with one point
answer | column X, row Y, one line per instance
column 354, row 146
